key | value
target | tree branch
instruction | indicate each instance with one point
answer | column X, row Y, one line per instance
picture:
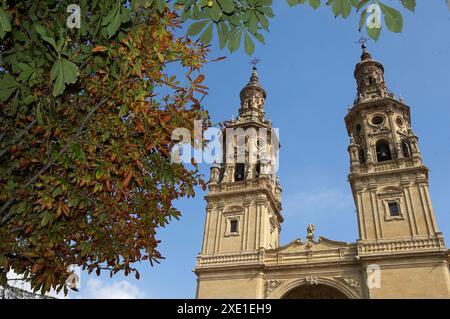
column 5, row 217
column 18, row 136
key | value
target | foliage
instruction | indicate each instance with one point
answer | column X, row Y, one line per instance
column 247, row 19
column 86, row 120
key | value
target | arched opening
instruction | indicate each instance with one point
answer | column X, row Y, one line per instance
column 362, row 156
column 383, row 151
column 406, row 149
column 315, row 292
column 258, row 169
column 239, row 172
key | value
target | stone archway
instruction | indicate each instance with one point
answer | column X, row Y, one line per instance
column 314, row 292
column 314, row 288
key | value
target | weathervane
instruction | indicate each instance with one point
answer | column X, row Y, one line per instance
column 363, row 42
column 254, row 62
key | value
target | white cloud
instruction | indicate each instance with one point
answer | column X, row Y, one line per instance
column 115, row 289
column 94, row 288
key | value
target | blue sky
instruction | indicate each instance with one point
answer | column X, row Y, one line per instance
column 307, row 70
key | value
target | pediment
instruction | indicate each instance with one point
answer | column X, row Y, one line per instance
column 322, row 243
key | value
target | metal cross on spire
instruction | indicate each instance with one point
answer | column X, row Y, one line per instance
column 254, row 62
column 363, row 42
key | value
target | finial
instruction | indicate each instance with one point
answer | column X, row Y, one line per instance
column 255, row 62
column 365, row 54
column 363, row 41
column 254, row 78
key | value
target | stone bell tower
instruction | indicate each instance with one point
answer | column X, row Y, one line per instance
column 243, row 213
column 397, row 226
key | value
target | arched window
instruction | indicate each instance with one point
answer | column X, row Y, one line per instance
column 371, row 80
column 239, row 172
column 362, row 156
column 383, row 151
column 258, row 169
column 406, row 149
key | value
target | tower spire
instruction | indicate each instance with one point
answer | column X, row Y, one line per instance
column 369, row 75
column 253, row 97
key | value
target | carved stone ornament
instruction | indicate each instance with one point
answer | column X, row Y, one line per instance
column 352, row 282
column 271, row 285
column 312, row 281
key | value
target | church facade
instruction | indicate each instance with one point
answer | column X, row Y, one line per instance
column 399, row 253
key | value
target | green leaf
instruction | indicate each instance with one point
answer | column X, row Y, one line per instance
column 249, row 45
column 46, row 219
column 215, row 12
column 259, row 37
column 340, row 7
column 42, row 31
column 85, row 248
column 25, row 71
column 206, row 37
column 222, row 31
column 314, row 4
column 362, row 20
column 15, row 103
column 355, row 3
column 39, row 116
column 264, row 21
column 361, row 3
column 29, row 99
column 115, row 18
column 393, row 18
column 63, row 72
column 7, row 87
column 5, row 24
column 409, row 4
column 227, row 5
column 234, row 40
column 292, row 3
column 196, row 27
column 374, row 33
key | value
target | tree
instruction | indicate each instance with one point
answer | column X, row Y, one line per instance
column 87, row 114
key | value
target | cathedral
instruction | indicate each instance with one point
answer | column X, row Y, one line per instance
column 400, row 252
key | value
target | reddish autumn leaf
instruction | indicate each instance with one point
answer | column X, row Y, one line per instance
column 219, row 59
column 199, row 79
column 87, row 177
column 99, row 48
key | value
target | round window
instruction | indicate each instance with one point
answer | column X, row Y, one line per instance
column 260, row 143
column 399, row 121
column 377, row 120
